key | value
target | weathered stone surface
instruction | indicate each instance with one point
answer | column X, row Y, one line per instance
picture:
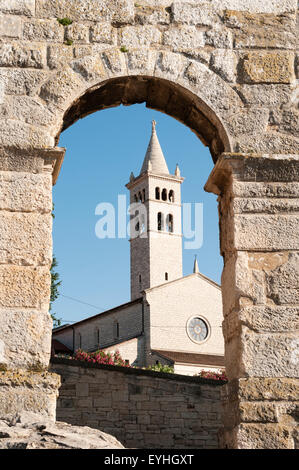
column 21, row 81
column 78, row 32
column 59, row 55
column 224, row 63
column 265, row 190
column 268, row 206
column 89, row 68
column 25, row 192
column 264, row 436
column 282, row 283
column 28, row 109
column 26, row 239
column 10, row 26
column 258, row 412
column 145, row 14
column 118, row 11
column 26, row 287
column 103, row 33
column 274, row 389
column 61, row 87
column 22, row 390
column 134, row 36
column 184, row 38
column 270, row 142
column 188, row 13
column 219, row 38
column 19, row 134
column 42, row 30
column 270, row 95
column 265, row 39
column 247, row 121
column 274, row 318
column 268, row 67
column 114, row 61
column 141, row 61
column 14, row 55
column 18, row 7
column 27, row 338
column 33, row 431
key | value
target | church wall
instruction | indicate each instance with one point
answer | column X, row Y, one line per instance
column 143, row 409
column 131, row 350
column 173, row 304
column 130, row 324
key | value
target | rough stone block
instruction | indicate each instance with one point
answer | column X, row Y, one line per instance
column 183, row 38
column 135, row 36
column 25, row 287
column 61, row 88
column 21, row 81
column 59, row 55
column 78, row 32
column 270, row 95
column 147, row 14
column 15, row 55
column 221, row 39
column 26, row 338
column 268, row 67
column 25, row 192
column 26, row 239
column 258, row 412
column 224, row 63
column 269, row 319
column 264, row 436
column 265, row 39
column 273, row 389
column 118, row 11
column 282, row 283
column 114, row 61
column 141, row 61
column 28, row 391
column 10, row 26
column 90, row 68
column 43, row 30
column 18, row 7
column 193, row 14
column 29, row 109
column 103, row 33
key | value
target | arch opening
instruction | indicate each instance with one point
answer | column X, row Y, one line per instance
column 159, row 94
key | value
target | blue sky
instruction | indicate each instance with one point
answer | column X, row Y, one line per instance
column 102, row 150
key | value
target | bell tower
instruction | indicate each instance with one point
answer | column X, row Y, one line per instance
column 156, row 234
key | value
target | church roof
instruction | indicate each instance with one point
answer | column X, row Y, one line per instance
column 154, row 159
column 192, row 358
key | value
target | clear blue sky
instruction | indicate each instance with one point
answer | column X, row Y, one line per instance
column 102, row 150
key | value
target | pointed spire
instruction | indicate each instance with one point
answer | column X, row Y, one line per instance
column 195, row 267
column 177, row 170
column 154, row 159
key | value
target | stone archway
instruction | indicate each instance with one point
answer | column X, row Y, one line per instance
column 197, row 65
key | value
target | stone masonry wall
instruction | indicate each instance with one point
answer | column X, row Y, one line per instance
column 143, row 409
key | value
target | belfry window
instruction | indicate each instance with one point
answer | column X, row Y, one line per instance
column 169, row 223
column 166, row 276
column 164, row 195
column 158, row 193
column 160, row 221
column 171, row 196
column 143, row 195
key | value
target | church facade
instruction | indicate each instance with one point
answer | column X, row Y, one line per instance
column 171, row 318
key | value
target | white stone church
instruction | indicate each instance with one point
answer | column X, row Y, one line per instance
column 171, row 318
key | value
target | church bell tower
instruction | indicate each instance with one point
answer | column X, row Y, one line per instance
column 156, row 234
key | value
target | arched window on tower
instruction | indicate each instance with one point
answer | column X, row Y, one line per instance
column 157, row 193
column 143, row 195
column 171, row 196
column 160, row 221
column 169, row 223
column 140, row 281
column 164, row 195
column 136, row 198
column 140, row 196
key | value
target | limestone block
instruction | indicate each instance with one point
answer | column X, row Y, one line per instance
column 30, row 110
column 27, row 338
column 118, row 11
column 224, row 63
column 61, row 88
column 254, row 6
column 265, row 39
column 258, row 412
column 271, row 143
column 268, row 67
column 247, row 121
column 134, row 36
column 21, row 81
column 114, row 61
column 59, row 55
column 25, row 192
column 266, row 232
column 261, row 190
column 90, row 68
column 282, row 283
column 43, row 30
column 25, row 239
column 183, row 37
column 78, row 32
column 221, row 39
column 193, row 14
column 25, row 287
column 18, row 7
column 19, row 134
column 15, row 55
column 275, row 389
column 145, row 14
column 169, row 65
column 264, row 436
column 270, row 95
column 270, row 355
column 269, row 206
column 10, row 26
column 268, row 318
column 140, row 61
column 103, row 33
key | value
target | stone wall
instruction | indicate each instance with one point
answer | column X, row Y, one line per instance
column 143, row 409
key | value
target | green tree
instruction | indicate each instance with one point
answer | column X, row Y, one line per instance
column 55, row 283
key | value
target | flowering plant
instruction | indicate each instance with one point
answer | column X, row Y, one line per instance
column 101, row 357
column 210, row 374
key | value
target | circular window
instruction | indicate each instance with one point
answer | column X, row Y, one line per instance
column 197, row 329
